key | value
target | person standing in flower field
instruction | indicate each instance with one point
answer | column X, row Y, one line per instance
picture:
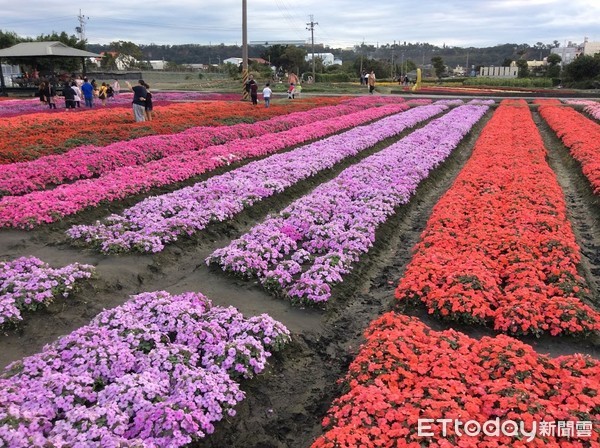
column 267, row 92
column 88, row 93
column 371, row 81
column 148, row 106
column 139, row 100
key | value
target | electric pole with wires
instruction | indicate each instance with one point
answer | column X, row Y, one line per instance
column 311, row 28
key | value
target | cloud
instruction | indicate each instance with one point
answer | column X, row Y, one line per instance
column 340, row 23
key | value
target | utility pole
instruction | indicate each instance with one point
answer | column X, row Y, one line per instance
column 81, row 28
column 311, row 28
column 244, row 49
column 392, row 71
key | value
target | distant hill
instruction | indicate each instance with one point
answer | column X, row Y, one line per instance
column 419, row 53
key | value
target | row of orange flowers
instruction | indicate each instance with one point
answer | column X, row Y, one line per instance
column 580, row 134
column 498, row 248
column 31, row 136
column 412, row 387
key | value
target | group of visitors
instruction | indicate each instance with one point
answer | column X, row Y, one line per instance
column 79, row 89
column 76, row 90
column 252, row 88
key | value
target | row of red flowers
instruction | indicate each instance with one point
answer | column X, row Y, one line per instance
column 580, row 134
column 498, row 247
column 31, row 136
column 406, row 372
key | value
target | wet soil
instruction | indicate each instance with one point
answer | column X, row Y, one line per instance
column 285, row 405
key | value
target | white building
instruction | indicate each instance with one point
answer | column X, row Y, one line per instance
column 234, row 61
column 499, row 72
column 590, row 48
column 158, row 64
column 327, row 58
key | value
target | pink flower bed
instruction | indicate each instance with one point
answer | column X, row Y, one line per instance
column 47, row 206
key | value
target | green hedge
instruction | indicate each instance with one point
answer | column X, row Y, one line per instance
column 333, row 77
column 509, row 82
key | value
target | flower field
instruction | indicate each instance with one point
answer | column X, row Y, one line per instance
column 382, row 272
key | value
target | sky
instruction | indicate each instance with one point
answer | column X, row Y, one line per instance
column 339, row 24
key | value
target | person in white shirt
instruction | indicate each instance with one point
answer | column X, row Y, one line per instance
column 267, row 92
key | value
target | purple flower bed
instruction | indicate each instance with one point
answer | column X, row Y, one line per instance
column 310, row 245
column 159, row 220
column 158, row 371
column 48, row 206
column 28, row 283
column 89, row 161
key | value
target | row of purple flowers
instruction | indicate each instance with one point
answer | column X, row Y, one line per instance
column 28, row 284
column 159, row 220
column 47, row 206
column 158, row 371
column 310, row 245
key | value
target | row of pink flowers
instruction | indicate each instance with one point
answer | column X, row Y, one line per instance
column 47, row 206
column 91, row 161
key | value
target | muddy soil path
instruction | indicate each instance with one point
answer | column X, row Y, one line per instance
column 180, row 267
column 284, row 406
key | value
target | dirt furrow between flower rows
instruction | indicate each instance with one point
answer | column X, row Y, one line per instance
column 181, row 264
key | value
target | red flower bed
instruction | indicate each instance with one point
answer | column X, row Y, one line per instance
column 498, row 247
column 31, row 136
column 406, row 372
column 580, row 134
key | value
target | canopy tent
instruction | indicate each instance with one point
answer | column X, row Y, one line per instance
column 42, row 50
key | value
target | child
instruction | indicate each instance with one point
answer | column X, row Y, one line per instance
column 291, row 92
column 267, row 95
column 298, row 90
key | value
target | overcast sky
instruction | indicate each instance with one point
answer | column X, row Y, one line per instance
column 340, row 23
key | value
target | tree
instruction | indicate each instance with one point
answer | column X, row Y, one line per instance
column 507, row 62
column 584, row 67
column 8, row 39
column 553, row 61
column 292, row 58
column 438, row 65
column 108, row 62
column 523, row 68
column 127, row 48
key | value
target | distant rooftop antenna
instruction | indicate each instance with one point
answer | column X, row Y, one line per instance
column 81, row 28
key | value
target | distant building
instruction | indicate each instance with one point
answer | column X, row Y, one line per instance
column 569, row 52
column 327, row 58
column 590, row 48
column 459, row 71
column 158, row 64
column 234, row 61
column 499, row 72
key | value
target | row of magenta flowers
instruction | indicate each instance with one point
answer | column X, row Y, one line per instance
column 499, row 248
column 91, row 161
column 47, row 206
column 311, row 244
column 28, row 284
column 158, row 371
column 159, row 220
